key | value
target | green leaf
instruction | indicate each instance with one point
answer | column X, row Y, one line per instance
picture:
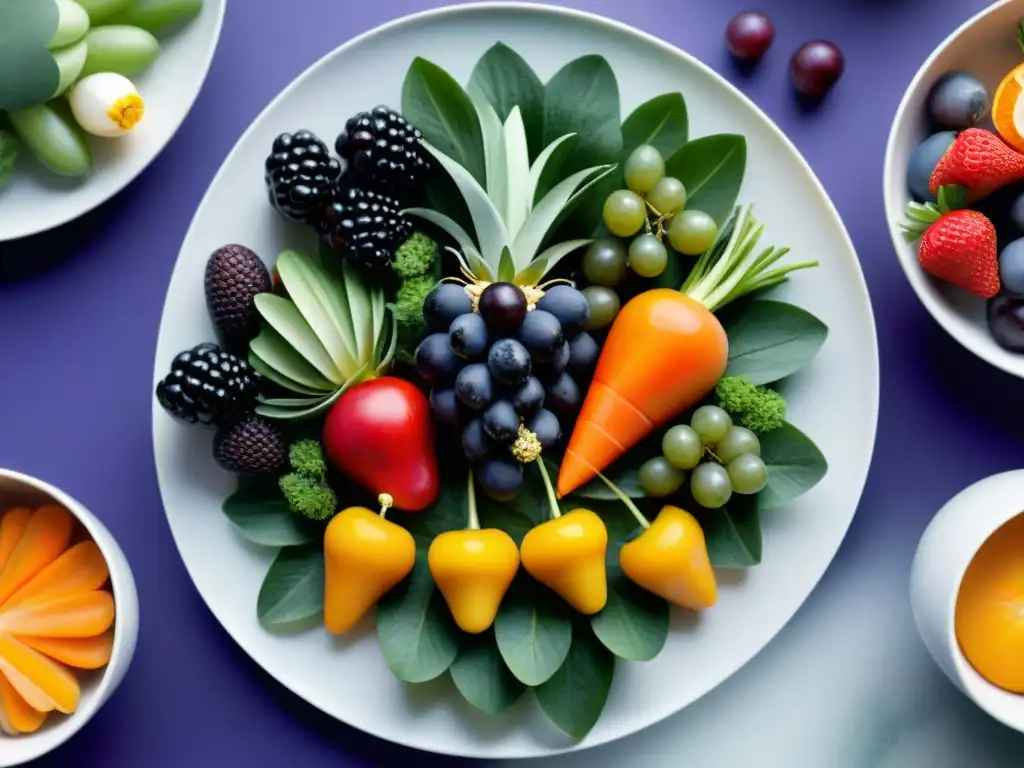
column 434, row 102
column 661, row 122
column 299, row 408
column 634, row 623
column 482, row 678
column 733, row 533
column 453, row 228
column 547, row 261
column 72, row 24
column 359, row 298
column 284, row 317
column 507, row 81
column 583, row 98
column 533, row 632
column 519, row 515
column 293, row 589
column 276, row 353
column 261, row 514
column 712, row 169
column 574, row 697
column 506, row 269
column 545, row 172
column 493, row 132
column 517, row 196
column 415, row 629
column 278, row 378
column 624, row 473
column 795, row 465
column 28, row 73
column 769, row 340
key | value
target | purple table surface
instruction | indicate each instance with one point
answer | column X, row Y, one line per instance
column 80, row 307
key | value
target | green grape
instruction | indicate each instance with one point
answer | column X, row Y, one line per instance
column 692, row 232
column 711, row 423
column 624, row 213
column 604, row 306
column 710, row 485
column 647, row 256
column 682, row 446
column 121, row 49
column 604, row 262
column 668, row 196
column 748, row 473
column 54, row 139
column 737, row 441
column 100, row 10
column 658, row 478
column 644, row 168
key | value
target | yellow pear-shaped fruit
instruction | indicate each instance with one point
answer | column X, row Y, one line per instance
column 567, row 555
column 364, row 557
column 473, row 569
column 670, row 559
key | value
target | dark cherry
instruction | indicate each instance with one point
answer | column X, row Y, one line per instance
column 1006, row 322
column 816, row 67
column 749, row 35
column 503, row 307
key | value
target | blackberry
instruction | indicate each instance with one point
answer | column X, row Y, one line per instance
column 365, row 227
column 234, row 276
column 300, row 174
column 208, row 386
column 250, row 446
column 383, row 152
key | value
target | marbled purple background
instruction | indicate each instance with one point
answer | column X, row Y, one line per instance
column 79, row 310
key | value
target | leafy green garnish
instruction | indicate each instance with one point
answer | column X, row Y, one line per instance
column 634, row 623
column 261, row 514
column 795, row 465
column 574, row 697
column 769, row 340
column 480, row 675
column 662, row 123
column 293, row 589
column 533, row 631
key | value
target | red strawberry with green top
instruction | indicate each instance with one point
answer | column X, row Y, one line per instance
column 957, row 245
column 980, row 161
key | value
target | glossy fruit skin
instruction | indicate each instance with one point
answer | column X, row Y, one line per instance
column 961, row 248
column 468, row 336
column 583, row 354
column 473, row 570
column 474, row 386
column 644, row 168
column 365, row 556
column 692, row 232
column 604, row 262
column 435, row 359
column 500, row 477
column 529, row 398
column 957, row 101
column 443, row 304
column 749, row 35
column 475, row 441
column 234, row 276
column 647, row 256
column 1011, row 268
column 923, row 161
column 547, row 428
column 668, row 196
column 816, row 67
column 748, row 474
column 501, row 422
column 567, row 555
column 549, row 372
column 380, row 434
column 659, row 478
column 300, row 175
column 682, row 446
column 980, row 161
column 503, row 307
column 445, row 407
column 604, row 306
column 1017, row 213
column 563, row 397
column 670, row 559
column 541, row 334
column 569, row 306
column 710, row 485
column 509, row 362
column 624, row 213
column 382, row 150
column 1005, row 318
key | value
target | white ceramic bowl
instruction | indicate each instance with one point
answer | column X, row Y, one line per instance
column 986, row 45
column 21, row 490
column 947, row 547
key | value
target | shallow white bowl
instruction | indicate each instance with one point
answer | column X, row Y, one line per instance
column 985, row 45
column 21, row 490
column 947, row 547
column 38, row 200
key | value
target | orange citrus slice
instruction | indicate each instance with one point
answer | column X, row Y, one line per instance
column 1008, row 108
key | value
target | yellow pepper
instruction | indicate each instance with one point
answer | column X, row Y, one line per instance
column 567, row 554
column 365, row 556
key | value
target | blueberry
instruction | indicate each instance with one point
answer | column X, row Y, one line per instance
column 443, row 304
column 569, row 306
column 475, row 443
column 1011, row 268
column 1017, row 213
column 445, row 406
column 549, row 372
column 923, row 160
column 547, row 428
column 500, row 478
column 435, row 360
column 509, row 362
column 529, row 398
column 583, row 354
column 468, row 336
column 541, row 334
column 503, row 306
column 474, row 386
column 563, row 397
column 957, row 101
column 501, row 422
column 1006, row 322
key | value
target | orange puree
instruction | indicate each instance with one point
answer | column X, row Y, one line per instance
column 990, row 608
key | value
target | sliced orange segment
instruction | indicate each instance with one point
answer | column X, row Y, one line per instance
column 45, row 537
column 1008, row 108
column 42, row 682
column 79, row 652
column 85, row 614
column 16, row 716
column 80, row 569
column 12, row 525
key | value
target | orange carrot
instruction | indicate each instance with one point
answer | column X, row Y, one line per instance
column 45, row 537
column 16, row 716
column 42, row 682
column 79, row 652
column 12, row 525
column 80, row 569
column 82, row 614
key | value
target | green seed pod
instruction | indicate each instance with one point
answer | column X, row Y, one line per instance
column 101, row 10
column 54, row 140
column 119, row 48
column 155, row 15
column 72, row 26
column 70, row 61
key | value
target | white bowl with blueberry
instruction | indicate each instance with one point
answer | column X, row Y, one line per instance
column 954, row 185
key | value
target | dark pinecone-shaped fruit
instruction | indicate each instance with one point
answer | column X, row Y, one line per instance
column 365, row 227
column 384, row 152
column 300, row 174
column 208, row 386
column 250, row 446
column 234, row 276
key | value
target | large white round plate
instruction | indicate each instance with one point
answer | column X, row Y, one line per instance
column 38, row 200
column 835, row 399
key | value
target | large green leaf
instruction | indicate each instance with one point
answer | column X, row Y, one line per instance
column 495, row 157
column 533, row 632
column 518, row 515
column 293, row 589
column 261, row 514
column 516, row 178
column 795, row 465
column 481, row 676
column 583, row 98
column 283, row 316
column 415, row 629
column 276, row 353
column 661, row 122
column 277, row 377
column 574, row 697
column 507, row 81
column 712, row 169
column 634, row 623
column 733, row 533
column 452, row 228
column 434, row 102
column 28, row 73
column 769, row 340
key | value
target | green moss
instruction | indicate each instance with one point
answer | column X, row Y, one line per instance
column 759, row 409
column 416, row 257
column 307, row 497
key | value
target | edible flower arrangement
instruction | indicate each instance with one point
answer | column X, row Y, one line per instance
column 66, row 75
column 522, row 401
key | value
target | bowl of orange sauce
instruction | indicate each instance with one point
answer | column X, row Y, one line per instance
column 967, row 594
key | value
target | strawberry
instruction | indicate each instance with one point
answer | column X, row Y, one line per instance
column 980, row 161
column 957, row 245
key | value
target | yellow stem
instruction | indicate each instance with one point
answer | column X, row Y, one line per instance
column 552, row 498
column 473, row 521
column 385, row 500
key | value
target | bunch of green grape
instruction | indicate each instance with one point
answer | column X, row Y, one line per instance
column 721, row 457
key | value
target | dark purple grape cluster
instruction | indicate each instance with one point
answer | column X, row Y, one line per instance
column 504, row 365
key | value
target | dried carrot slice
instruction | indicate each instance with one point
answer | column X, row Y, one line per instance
column 16, row 716
column 45, row 537
column 42, row 682
column 12, row 525
column 85, row 614
column 80, row 569
column 80, row 652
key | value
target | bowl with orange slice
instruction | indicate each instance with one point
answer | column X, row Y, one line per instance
column 69, row 617
column 954, row 185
